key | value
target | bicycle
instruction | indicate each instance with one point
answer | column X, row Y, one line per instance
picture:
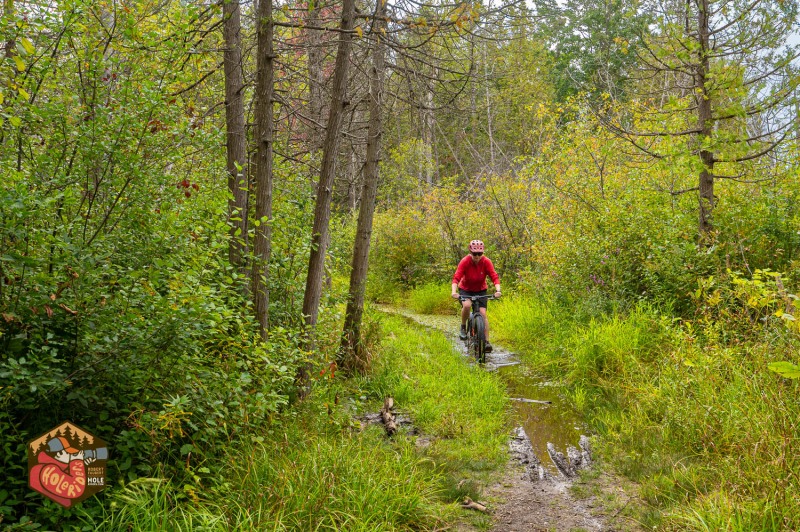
column 476, row 328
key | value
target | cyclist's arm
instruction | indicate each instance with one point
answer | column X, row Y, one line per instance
column 494, row 277
column 457, row 276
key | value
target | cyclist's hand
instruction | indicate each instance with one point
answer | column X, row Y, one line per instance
column 497, row 294
column 454, row 296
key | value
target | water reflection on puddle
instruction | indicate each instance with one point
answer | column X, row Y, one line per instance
column 555, row 422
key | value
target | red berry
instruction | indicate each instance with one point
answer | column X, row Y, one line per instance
column 195, row 186
column 187, row 194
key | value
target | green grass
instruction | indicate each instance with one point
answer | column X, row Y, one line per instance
column 304, row 481
column 706, row 430
column 431, row 298
column 338, row 482
column 316, row 469
column 459, row 404
column 153, row 504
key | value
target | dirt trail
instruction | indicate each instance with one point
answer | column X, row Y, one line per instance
column 534, row 496
column 530, row 499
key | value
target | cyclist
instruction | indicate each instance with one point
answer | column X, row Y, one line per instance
column 470, row 280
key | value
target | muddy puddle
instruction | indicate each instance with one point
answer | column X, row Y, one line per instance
column 540, row 406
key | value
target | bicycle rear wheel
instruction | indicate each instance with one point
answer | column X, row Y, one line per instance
column 478, row 337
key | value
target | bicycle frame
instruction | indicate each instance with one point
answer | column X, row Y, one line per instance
column 476, row 328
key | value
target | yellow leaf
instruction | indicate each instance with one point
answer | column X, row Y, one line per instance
column 24, row 93
column 359, row 31
column 28, row 45
column 20, row 63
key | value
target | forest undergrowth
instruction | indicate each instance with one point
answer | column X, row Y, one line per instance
column 165, row 283
column 318, row 467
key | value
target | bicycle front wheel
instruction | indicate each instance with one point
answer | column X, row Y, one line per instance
column 479, row 339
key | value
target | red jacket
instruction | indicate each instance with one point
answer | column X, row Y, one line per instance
column 58, row 481
column 471, row 277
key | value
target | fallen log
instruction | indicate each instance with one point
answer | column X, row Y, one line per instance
column 469, row 504
column 388, row 418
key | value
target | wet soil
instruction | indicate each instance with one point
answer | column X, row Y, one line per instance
column 532, row 494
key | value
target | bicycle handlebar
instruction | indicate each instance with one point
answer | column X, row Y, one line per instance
column 475, row 298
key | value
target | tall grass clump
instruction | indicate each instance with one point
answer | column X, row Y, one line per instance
column 336, row 482
column 534, row 325
column 302, row 481
column 431, row 298
column 152, row 504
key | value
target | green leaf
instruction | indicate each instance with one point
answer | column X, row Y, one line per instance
column 15, row 121
column 186, row 449
column 785, row 369
column 24, row 93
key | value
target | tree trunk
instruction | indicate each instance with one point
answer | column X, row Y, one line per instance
column 10, row 45
column 489, row 126
column 704, row 117
column 315, row 76
column 320, row 233
column 263, row 174
column 389, row 423
column 352, row 354
column 427, row 132
column 236, row 143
